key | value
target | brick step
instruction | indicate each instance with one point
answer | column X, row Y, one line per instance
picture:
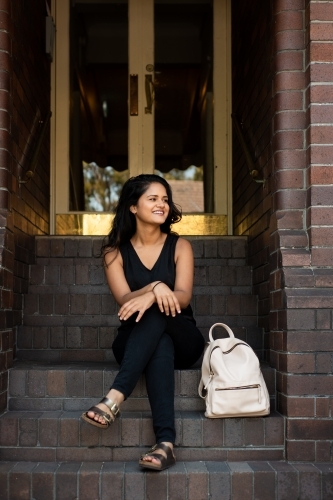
column 264, row 480
column 66, row 342
column 70, row 315
column 64, row 436
column 77, row 386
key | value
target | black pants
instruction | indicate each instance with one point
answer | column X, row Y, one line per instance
column 155, row 346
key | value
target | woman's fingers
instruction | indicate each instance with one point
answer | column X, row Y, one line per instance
column 166, row 300
column 173, row 305
column 136, row 305
column 168, row 304
column 160, row 304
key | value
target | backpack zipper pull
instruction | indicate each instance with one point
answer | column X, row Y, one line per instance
column 209, row 380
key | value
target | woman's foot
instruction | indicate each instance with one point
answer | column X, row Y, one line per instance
column 159, row 457
column 105, row 412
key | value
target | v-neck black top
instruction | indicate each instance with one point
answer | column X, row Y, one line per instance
column 138, row 275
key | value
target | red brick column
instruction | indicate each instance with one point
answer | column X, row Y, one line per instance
column 289, row 240
column 319, row 177
column 6, row 229
column 319, row 101
column 301, row 293
column 24, row 209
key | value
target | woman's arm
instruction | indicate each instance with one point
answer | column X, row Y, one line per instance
column 117, row 282
column 184, row 272
column 169, row 302
column 184, row 280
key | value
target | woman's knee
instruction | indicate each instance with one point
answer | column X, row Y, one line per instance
column 165, row 348
column 154, row 312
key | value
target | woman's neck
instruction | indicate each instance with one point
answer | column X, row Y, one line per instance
column 147, row 236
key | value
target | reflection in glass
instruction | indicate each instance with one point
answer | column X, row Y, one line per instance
column 184, row 101
column 98, row 105
column 187, row 188
column 102, row 187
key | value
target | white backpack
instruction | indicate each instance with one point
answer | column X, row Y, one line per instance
column 231, row 380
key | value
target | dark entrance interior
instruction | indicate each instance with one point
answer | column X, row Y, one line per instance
column 99, row 95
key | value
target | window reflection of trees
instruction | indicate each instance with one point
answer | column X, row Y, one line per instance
column 102, row 187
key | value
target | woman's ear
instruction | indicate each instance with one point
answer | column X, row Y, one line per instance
column 133, row 209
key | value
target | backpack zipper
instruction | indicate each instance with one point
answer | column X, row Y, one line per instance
column 254, row 386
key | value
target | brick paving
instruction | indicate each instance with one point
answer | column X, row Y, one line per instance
column 255, row 480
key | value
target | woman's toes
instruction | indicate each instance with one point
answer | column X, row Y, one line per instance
column 96, row 417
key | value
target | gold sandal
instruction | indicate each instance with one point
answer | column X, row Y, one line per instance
column 166, row 462
column 107, row 417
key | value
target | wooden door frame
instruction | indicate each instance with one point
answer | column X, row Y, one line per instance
column 60, row 97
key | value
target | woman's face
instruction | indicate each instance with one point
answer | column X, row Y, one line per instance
column 152, row 206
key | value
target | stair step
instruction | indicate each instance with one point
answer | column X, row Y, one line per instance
column 77, row 386
column 273, row 480
column 70, row 315
column 64, row 436
column 84, row 338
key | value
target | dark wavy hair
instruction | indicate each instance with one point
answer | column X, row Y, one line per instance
column 124, row 222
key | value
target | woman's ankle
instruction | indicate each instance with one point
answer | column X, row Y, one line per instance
column 116, row 396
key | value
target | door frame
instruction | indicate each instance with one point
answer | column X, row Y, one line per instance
column 60, row 98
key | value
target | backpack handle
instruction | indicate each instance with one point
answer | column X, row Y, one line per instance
column 226, row 327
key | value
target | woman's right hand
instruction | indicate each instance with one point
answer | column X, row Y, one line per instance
column 166, row 299
column 138, row 304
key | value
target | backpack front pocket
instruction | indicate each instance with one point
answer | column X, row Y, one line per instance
column 243, row 400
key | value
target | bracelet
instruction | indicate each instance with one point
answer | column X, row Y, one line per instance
column 156, row 285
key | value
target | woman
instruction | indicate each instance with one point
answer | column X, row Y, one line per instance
column 150, row 274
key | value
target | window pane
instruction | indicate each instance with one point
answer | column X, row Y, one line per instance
column 98, row 108
column 183, row 101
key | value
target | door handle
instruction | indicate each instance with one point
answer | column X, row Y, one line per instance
column 134, row 95
column 149, row 87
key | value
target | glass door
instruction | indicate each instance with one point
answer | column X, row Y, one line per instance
column 99, row 67
column 148, row 91
column 184, row 101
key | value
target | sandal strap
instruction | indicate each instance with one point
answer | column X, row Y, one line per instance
column 102, row 413
column 113, row 407
column 163, row 447
column 160, row 446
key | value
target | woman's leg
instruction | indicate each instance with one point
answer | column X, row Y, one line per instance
column 179, row 347
column 132, row 348
column 148, row 349
column 160, row 384
column 140, row 345
column 187, row 340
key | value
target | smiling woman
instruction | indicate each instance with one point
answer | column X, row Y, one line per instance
column 149, row 271
column 154, row 202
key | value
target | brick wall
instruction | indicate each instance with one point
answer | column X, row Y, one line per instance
column 319, row 105
column 252, row 103
column 24, row 209
column 289, row 222
column 302, row 298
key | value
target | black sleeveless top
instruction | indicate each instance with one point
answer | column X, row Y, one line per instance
column 138, row 275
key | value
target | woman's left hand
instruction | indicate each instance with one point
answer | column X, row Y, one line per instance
column 166, row 299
